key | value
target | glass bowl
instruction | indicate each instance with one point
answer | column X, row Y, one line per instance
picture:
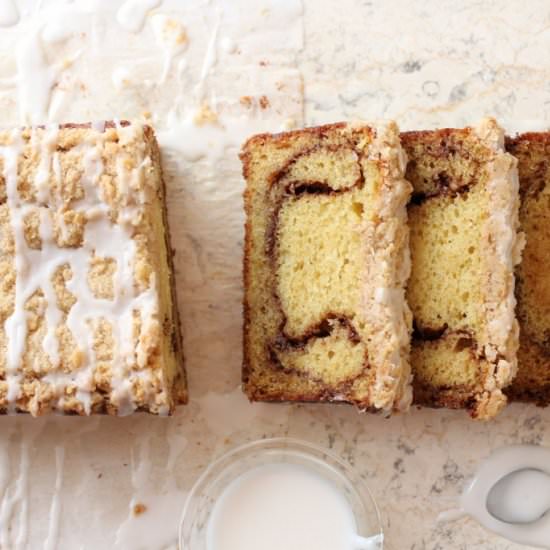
column 220, row 473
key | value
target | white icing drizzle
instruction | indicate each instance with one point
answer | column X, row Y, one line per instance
column 5, row 478
column 64, row 20
column 504, row 247
column 233, row 30
column 9, row 15
column 55, row 506
column 384, row 296
column 209, row 140
column 375, row 542
column 172, row 39
column 260, row 31
column 15, row 502
column 52, row 315
column 15, row 325
column 102, row 238
column 131, row 15
column 35, row 79
column 38, row 68
column 210, row 59
column 121, row 77
column 157, row 526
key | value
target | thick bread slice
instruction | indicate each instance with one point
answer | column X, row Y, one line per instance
column 464, row 245
column 326, row 262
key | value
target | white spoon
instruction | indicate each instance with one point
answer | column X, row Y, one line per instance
column 521, row 497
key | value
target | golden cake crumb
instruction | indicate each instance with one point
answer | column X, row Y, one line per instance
column 139, row 509
column 205, row 115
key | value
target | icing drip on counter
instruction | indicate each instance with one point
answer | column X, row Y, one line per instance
column 9, row 15
column 41, row 78
column 102, row 238
column 210, row 59
column 15, row 498
column 154, row 511
column 55, row 507
column 19, row 460
column 35, row 79
column 172, row 39
column 5, row 478
column 209, row 122
column 131, row 15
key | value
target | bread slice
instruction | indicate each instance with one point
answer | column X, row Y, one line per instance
column 463, row 217
column 533, row 274
column 326, row 261
column 88, row 313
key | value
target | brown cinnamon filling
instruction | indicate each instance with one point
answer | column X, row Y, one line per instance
column 436, row 145
column 428, row 333
column 281, row 189
column 465, row 339
column 322, row 329
column 524, row 147
column 444, row 189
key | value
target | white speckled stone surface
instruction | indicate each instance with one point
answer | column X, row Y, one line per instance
column 425, row 64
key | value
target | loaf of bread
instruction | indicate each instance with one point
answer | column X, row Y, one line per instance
column 88, row 315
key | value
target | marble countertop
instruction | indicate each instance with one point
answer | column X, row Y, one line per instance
column 73, row 483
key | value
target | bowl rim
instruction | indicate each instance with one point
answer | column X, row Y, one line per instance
column 282, row 443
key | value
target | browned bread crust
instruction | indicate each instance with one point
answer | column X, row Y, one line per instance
column 172, row 330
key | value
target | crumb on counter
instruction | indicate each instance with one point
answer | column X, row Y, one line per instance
column 205, row 115
column 182, row 37
column 246, row 101
column 139, row 509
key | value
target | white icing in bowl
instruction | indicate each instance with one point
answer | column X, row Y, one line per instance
column 239, row 502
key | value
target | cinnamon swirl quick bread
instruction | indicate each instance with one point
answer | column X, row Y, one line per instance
column 463, row 218
column 326, row 262
column 88, row 315
column 533, row 274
